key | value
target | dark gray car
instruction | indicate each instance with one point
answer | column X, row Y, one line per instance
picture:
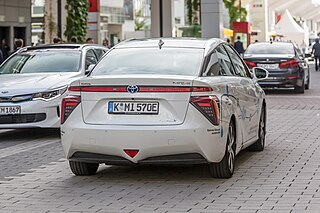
column 287, row 68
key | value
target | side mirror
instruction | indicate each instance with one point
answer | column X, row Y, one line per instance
column 260, row 73
column 90, row 68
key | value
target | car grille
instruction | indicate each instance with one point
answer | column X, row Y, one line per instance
column 22, row 118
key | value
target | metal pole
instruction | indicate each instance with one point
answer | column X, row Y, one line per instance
column 161, row 17
column 59, row 19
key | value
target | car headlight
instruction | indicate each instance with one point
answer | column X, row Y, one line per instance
column 49, row 95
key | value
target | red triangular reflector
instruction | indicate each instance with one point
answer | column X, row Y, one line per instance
column 131, row 152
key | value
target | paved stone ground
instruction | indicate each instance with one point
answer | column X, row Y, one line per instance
column 285, row 177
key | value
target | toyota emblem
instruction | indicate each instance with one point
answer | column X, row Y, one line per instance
column 132, row 88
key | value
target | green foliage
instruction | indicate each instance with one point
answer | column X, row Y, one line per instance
column 234, row 13
column 192, row 7
column 192, row 31
column 139, row 20
column 77, row 11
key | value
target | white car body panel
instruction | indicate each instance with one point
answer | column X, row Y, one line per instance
column 12, row 85
column 194, row 135
column 179, row 127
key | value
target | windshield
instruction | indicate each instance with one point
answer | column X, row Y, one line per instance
column 270, row 48
column 41, row 62
column 166, row 61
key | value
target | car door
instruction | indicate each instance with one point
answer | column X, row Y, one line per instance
column 247, row 95
column 218, row 70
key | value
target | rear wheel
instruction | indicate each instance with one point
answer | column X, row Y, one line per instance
column 225, row 168
column 82, row 168
column 260, row 143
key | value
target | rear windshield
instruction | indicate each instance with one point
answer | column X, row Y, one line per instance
column 267, row 48
column 166, row 61
column 40, row 62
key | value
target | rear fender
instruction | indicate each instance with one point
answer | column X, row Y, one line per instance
column 228, row 109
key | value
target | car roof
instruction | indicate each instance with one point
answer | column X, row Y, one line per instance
column 60, row 46
column 272, row 43
column 207, row 44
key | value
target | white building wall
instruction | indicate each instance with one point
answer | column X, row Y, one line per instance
column 179, row 11
column 111, row 3
column 259, row 19
column 211, row 19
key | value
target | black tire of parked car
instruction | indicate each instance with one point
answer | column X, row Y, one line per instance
column 82, row 168
column 298, row 89
column 307, row 86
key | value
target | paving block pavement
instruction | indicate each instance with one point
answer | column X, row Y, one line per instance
column 285, row 177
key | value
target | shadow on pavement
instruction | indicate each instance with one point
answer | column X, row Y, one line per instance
column 155, row 173
column 26, row 134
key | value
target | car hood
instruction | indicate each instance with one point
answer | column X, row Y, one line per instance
column 15, row 84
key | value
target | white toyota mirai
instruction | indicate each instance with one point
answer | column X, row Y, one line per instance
column 164, row 101
column 34, row 80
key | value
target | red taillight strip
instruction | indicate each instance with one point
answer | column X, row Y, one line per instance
column 104, row 89
column 201, row 89
column 74, row 88
column 154, row 89
column 164, row 89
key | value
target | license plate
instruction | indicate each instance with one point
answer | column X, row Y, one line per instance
column 10, row 110
column 133, row 108
column 268, row 66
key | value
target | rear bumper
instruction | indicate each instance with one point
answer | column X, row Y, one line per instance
column 195, row 136
column 283, row 83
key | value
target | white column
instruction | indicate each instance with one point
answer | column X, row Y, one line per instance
column 161, row 18
column 211, row 19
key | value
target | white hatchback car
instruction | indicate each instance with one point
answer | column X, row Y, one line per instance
column 34, row 80
column 165, row 101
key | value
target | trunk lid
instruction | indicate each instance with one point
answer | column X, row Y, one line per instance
column 135, row 99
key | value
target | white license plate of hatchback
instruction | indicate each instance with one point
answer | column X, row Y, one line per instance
column 133, row 108
column 269, row 66
column 10, row 110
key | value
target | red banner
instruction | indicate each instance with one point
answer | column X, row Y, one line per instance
column 94, row 5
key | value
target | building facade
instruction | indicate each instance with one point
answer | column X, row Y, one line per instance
column 15, row 21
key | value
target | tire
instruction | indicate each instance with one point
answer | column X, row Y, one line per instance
column 225, row 168
column 260, row 143
column 298, row 89
column 82, row 168
column 307, row 86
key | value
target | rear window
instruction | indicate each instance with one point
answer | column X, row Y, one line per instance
column 166, row 61
column 40, row 62
column 267, row 48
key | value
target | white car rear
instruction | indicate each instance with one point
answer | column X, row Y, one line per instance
column 148, row 102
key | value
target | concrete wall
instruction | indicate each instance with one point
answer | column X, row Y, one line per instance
column 212, row 19
column 162, row 27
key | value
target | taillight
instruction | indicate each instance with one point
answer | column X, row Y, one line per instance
column 208, row 106
column 289, row 64
column 250, row 64
column 68, row 105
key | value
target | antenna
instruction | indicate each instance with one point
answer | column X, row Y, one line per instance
column 160, row 44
